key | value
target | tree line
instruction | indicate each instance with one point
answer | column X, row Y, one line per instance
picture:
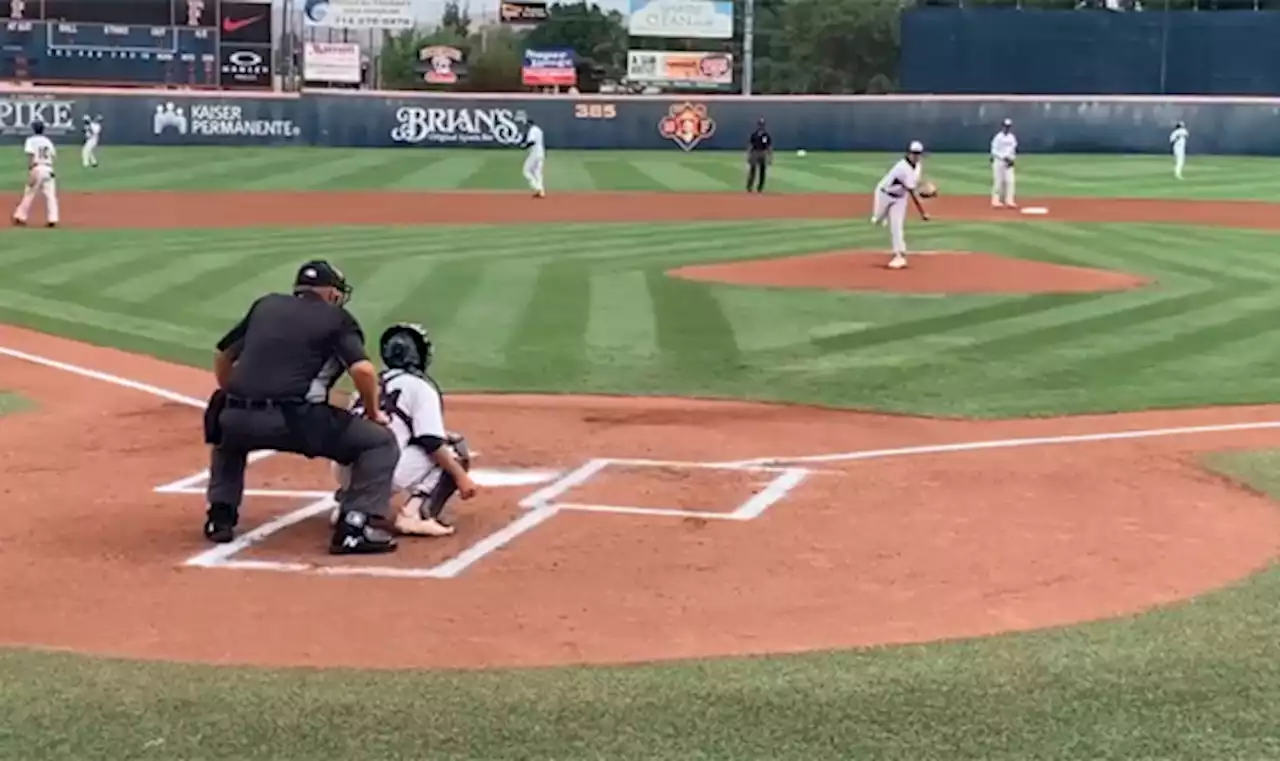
column 801, row 46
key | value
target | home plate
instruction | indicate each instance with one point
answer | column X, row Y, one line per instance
column 513, row 476
column 1034, row 210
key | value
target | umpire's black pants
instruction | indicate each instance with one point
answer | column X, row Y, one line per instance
column 757, row 164
column 312, row 430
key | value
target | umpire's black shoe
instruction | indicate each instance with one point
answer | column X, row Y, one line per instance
column 360, row 534
column 220, row 523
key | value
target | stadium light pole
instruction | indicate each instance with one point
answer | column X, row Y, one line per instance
column 748, row 45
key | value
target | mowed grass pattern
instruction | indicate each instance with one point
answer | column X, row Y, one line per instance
column 589, row 308
column 250, row 168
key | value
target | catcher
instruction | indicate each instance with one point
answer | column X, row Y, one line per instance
column 1004, row 150
column 434, row 463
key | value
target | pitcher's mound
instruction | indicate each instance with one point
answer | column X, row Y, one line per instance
column 931, row 272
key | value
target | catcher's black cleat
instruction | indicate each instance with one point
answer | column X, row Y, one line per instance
column 360, row 534
column 220, row 523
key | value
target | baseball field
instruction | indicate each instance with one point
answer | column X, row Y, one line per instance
column 750, row 495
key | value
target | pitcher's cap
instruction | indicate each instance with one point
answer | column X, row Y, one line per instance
column 915, row 147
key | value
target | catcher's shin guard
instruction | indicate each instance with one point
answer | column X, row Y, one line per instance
column 446, row 487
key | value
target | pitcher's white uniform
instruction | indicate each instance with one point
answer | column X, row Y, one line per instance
column 891, row 199
column 1004, row 148
column 92, row 135
column 40, row 179
column 1178, row 140
column 533, row 162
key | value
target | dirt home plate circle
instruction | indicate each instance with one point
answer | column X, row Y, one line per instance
column 761, row 528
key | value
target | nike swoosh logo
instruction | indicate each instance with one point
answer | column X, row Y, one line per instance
column 232, row 25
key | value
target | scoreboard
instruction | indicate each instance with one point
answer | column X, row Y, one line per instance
column 184, row 43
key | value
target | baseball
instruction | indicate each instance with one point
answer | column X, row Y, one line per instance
column 801, row 153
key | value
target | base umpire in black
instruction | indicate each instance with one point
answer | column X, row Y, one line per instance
column 275, row 370
column 759, row 156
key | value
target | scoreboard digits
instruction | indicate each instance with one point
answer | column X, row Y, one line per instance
column 145, row 42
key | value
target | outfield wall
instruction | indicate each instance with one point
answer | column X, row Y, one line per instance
column 869, row 123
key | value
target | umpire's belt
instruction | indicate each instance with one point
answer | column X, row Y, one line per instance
column 240, row 403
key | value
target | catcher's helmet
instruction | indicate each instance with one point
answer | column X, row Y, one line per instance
column 406, row 346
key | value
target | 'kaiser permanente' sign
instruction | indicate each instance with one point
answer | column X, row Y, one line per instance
column 704, row 19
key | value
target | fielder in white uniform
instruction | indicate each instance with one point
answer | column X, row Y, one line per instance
column 92, row 135
column 1178, row 140
column 533, row 162
column 40, row 157
column 891, row 196
column 433, row 462
column 1004, row 150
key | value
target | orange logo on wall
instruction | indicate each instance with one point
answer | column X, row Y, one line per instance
column 687, row 124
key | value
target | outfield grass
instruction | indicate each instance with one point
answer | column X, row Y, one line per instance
column 541, row 310
column 251, row 168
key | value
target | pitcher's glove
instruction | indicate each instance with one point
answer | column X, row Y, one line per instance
column 1008, row 163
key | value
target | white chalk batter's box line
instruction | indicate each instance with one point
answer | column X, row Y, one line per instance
column 538, row 507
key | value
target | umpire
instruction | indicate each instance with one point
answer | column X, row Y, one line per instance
column 759, row 156
column 275, row 369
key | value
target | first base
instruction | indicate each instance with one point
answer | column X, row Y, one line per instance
column 1035, row 210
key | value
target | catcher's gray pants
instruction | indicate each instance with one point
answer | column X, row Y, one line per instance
column 316, row 430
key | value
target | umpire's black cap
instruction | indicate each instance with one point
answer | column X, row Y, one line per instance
column 320, row 274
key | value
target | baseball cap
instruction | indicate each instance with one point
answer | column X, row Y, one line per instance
column 319, row 274
column 915, row 147
column 1008, row 122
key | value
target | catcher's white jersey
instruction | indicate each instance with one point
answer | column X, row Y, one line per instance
column 901, row 178
column 414, row 405
column 1004, row 145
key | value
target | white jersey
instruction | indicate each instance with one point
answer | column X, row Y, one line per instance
column 901, row 178
column 92, row 130
column 1178, row 138
column 1004, row 146
column 414, row 405
column 534, row 141
column 40, row 150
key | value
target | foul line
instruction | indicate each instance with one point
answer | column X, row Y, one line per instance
column 973, row 446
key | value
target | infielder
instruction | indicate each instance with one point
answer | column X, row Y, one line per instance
column 891, row 200
column 40, row 156
column 433, row 462
column 1004, row 150
column 533, row 162
column 1178, row 140
column 92, row 134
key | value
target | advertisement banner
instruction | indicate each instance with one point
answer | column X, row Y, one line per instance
column 548, row 67
column 522, row 11
column 331, row 62
column 244, row 23
column 681, row 69
column 178, row 122
column 441, row 64
column 359, row 14
column 680, row 19
column 245, row 67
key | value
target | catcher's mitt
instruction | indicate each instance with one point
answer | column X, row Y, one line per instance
column 928, row 190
